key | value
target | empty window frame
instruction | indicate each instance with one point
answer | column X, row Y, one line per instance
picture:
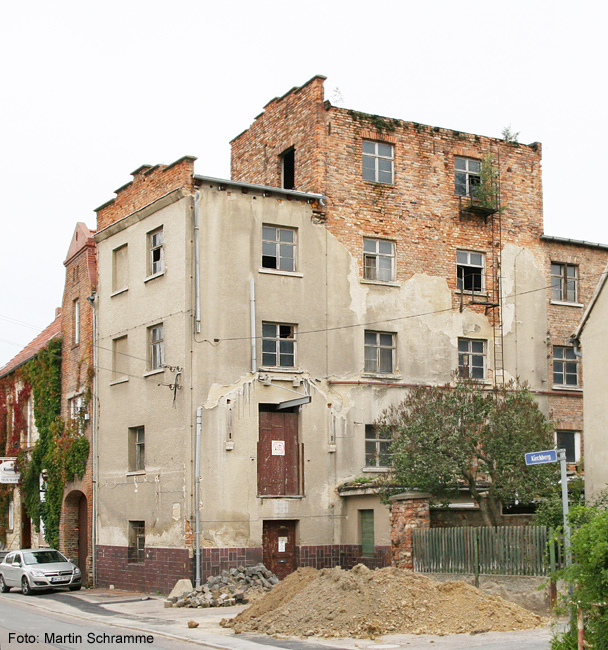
column 565, row 366
column 378, row 260
column 571, row 442
column 564, row 282
column 366, row 532
column 137, row 542
column 156, row 254
column 470, row 269
column 120, row 357
column 379, row 352
column 278, row 248
column 377, row 444
column 378, row 160
column 120, row 268
column 76, row 322
column 288, row 169
column 468, row 176
column 472, row 358
column 156, row 347
column 137, row 449
column 76, row 412
column 278, row 345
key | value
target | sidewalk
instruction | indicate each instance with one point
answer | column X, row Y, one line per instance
column 147, row 613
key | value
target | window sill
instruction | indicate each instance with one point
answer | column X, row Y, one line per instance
column 480, row 294
column 375, row 470
column 381, row 375
column 281, row 496
column 119, row 291
column 576, row 389
column 122, row 380
column 391, row 184
column 137, row 472
column 156, row 371
column 153, row 277
column 286, row 370
column 563, row 303
column 381, row 283
column 293, row 274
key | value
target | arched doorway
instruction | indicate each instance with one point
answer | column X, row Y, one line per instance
column 75, row 530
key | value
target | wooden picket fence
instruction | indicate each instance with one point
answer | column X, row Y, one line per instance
column 500, row 550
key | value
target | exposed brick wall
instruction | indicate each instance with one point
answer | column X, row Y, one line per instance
column 407, row 513
column 148, row 185
column 444, row 518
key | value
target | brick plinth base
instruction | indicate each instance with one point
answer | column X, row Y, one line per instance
column 408, row 511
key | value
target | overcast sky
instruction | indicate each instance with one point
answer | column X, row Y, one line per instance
column 90, row 91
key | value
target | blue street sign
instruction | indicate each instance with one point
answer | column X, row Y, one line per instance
column 538, row 457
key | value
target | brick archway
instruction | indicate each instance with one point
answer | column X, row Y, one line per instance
column 74, row 530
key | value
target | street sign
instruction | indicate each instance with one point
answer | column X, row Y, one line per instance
column 538, row 457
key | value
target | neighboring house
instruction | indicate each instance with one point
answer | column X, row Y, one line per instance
column 77, row 376
column 592, row 333
column 250, row 331
column 18, row 433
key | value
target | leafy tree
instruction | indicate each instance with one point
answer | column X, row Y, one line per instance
column 454, row 438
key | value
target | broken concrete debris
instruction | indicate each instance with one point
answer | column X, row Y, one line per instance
column 231, row 587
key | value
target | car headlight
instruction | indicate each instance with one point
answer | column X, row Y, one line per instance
column 76, row 571
column 38, row 574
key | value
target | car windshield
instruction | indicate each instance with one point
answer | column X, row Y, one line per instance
column 43, row 557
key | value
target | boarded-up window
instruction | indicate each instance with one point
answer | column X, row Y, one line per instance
column 120, row 268
column 278, row 454
column 120, row 357
column 366, row 526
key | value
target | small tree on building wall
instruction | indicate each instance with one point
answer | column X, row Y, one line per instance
column 450, row 439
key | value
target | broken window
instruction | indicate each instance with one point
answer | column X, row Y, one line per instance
column 137, row 449
column 366, row 532
column 468, row 176
column 470, row 268
column 120, row 269
column 565, row 366
column 288, row 169
column 156, row 339
column 471, row 358
column 379, row 352
column 564, row 281
column 278, row 248
column 120, row 357
column 378, row 260
column 278, row 345
column 378, row 162
column 137, row 542
column 156, row 242
column 377, row 444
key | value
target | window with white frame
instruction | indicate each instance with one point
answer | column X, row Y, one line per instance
column 467, row 176
column 156, row 347
column 565, row 366
column 378, row 260
column 76, row 321
column 470, row 269
column 278, row 248
column 278, row 345
column 379, row 352
column 76, row 412
column 472, row 358
column 136, row 551
column 378, row 160
column 571, row 442
column 564, row 282
column 137, row 449
column 156, row 259
column 377, row 444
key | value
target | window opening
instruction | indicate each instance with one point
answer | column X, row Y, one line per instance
column 377, row 444
column 471, row 358
column 278, row 345
column 76, row 315
column 470, row 267
column 468, row 176
column 156, row 242
column 157, row 347
column 366, row 526
column 278, row 248
column 564, row 281
column 137, row 449
column 137, row 542
column 288, row 160
column 570, row 441
column 378, row 260
column 379, row 351
column 120, row 357
column 378, row 162
column 565, row 366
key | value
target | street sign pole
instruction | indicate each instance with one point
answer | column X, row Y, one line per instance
column 561, row 457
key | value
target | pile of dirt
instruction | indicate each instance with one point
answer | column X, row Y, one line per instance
column 366, row 604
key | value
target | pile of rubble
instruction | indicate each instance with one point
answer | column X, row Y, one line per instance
column 232, row 587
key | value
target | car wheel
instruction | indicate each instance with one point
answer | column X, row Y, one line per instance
column 3, row 586
column 74, row 587
column 26, row 589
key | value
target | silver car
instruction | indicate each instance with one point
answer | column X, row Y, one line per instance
column 36, row 569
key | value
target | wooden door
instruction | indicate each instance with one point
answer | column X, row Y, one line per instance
column 279, row 547
column 278, row 454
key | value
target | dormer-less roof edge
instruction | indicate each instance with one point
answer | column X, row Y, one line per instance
column 574, row 242
column 260, row 188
